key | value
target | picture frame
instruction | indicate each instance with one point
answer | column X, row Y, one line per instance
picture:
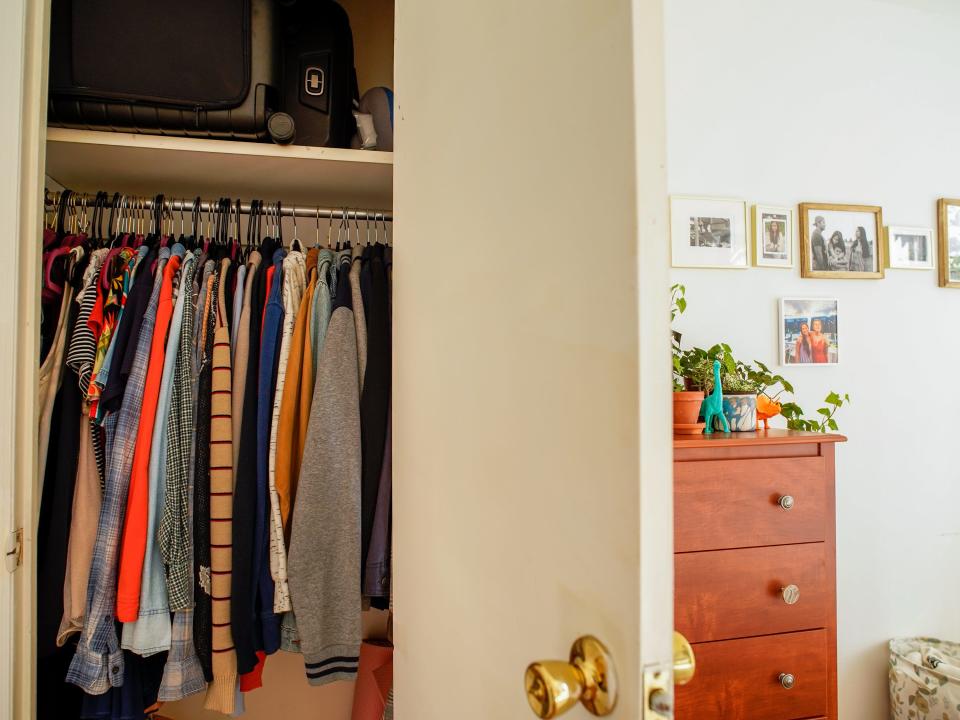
column 708, row 232
column 772, row 236
column 840, row 241
column 948, row 228
column 809, row 331
column 910, row 248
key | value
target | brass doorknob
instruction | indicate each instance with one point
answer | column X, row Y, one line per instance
column 787, row 680
column 555, row 686
column 684, row 661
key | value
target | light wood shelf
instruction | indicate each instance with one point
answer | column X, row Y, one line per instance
column 88, row 161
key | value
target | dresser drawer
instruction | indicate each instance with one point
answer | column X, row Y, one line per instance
column 735, row 503
column 740, row 679
column 737, row 593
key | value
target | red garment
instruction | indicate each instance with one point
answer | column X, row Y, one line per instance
column 134, row 540
column 253, row 680
column 266, row 296
column 820, row 348
column 374, row 680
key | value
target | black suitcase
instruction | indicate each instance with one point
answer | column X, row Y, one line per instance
column 319, row 79
column 200, row 68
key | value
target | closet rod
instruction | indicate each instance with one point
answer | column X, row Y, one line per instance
column 304, row 211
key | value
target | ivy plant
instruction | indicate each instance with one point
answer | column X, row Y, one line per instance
column 826, row 421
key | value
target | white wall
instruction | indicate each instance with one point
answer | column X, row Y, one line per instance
column 842, row 101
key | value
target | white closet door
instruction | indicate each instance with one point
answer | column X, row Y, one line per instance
column 531, row 371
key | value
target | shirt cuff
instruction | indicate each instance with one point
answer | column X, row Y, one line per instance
column 95, row 672
column 334, row 662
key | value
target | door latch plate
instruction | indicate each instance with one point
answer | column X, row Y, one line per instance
column 657, row 694
column 13, row 550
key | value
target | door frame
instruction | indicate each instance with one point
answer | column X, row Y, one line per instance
column 23, row 127
column 654, row 389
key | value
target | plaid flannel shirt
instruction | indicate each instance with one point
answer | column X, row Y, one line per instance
column 98, row 662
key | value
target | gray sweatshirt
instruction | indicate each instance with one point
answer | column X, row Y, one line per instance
column 323, row 565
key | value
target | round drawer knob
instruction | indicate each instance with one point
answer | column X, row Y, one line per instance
column 790, row 594
column 786, row 502
column 787, row 680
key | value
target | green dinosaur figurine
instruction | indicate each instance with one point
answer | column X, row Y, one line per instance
column 712, row 405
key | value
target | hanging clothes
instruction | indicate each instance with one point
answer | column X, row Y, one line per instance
column 325, row 587
column 208, row 413
column 294, row 285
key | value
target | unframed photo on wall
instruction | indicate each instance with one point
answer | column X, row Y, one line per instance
column 809, row 331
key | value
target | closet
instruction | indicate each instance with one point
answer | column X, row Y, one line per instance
column 529, row 198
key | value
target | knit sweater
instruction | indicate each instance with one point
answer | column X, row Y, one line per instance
column 325, row 586
column 220, row 694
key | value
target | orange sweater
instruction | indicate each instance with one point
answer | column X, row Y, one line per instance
column 292, row 426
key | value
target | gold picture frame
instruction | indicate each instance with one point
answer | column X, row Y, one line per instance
column 943, row 230
column 817, row 262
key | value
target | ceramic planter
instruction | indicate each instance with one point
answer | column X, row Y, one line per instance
column 686, row 411
column 740, row 409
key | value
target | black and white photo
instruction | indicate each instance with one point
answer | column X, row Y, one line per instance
column 841, row 241
column 910, row 248
column 708, row 232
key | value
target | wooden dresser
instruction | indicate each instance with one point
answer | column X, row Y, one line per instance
column 755, row 561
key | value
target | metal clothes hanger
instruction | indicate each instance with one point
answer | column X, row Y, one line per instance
column 295, row 244
column 278, row 210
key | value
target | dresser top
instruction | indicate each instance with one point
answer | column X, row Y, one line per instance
column 760, row 437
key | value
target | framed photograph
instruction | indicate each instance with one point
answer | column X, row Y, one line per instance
column 909, row 248
column 841, row 241
column 708, row 232
column 948, row 214
column 808, row 331
column 772, row 236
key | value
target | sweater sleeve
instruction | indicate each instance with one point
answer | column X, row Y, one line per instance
column 324, row 558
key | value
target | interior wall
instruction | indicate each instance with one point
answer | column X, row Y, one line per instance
column 851, row 102
column 372, row 25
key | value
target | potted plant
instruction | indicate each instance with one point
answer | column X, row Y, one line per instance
column 739, row 391
column 686, row 401
column 751, row 393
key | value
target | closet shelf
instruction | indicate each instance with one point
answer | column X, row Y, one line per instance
column 87, row 160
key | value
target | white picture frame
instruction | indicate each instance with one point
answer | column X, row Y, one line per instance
column 773, row 236
column 910, row 248
column 708, row 232
column 821, row 316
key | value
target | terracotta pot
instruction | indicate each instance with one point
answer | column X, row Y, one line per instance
column 686, row 406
